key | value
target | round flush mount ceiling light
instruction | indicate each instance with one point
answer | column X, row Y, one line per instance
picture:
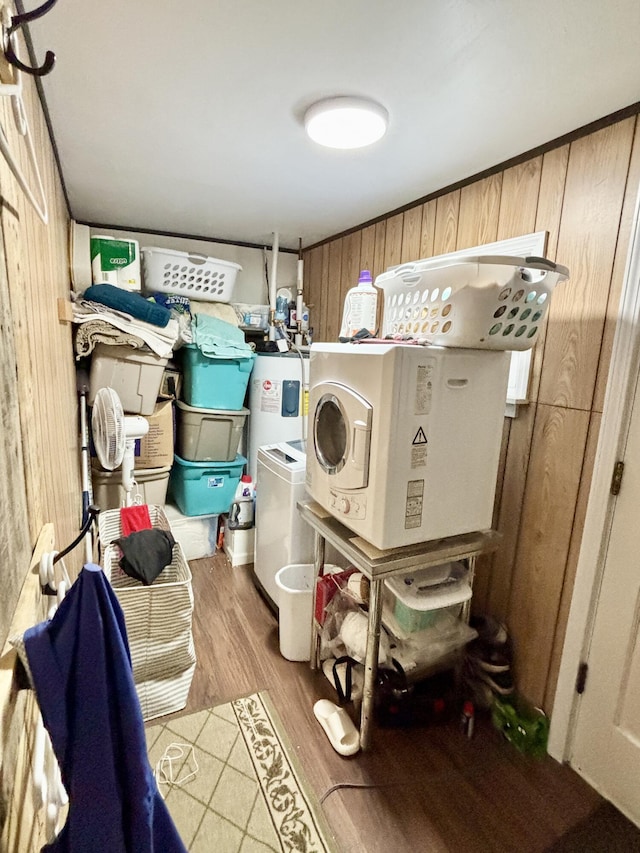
column 346, row 122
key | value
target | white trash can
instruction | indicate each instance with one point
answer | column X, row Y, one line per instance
column 295, row 594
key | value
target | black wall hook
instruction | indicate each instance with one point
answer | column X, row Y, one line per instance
column 18, row 21
column 93, row 512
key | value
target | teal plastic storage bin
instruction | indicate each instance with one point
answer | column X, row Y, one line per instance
column 214, row 383
column 204, row 488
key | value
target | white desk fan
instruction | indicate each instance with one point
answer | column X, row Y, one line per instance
column 114, row 436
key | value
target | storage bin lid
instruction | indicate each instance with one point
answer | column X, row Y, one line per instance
column 432, row 588
column 200, row 411
column 123, row 352
column 238, row 462
column 140, row 474
column 176, row 517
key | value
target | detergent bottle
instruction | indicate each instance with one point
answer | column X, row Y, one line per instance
column 360, row 306
column 241, row 511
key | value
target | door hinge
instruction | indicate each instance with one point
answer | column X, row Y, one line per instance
column 581, row 680
column 616, row 479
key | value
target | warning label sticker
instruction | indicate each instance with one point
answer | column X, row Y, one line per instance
column 413, row 506
column 424, row 388
column 271, row 396
column 420, row 437
column 419, row 449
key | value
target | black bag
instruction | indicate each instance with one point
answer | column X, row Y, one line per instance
column 399, row 702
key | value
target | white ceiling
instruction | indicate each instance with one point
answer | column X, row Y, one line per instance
column 187, row 118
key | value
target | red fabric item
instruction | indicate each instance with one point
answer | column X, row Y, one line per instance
column 326, row 588
column 134, row 518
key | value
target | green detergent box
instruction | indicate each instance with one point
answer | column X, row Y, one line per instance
column 116, row 262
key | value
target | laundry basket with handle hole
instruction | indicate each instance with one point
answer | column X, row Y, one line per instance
column 486, row 302
column 189, row 274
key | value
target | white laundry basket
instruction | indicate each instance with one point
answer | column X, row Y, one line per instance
column 295, row 603
column 189, row 274
column 484, row 302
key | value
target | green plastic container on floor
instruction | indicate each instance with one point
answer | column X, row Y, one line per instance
column 526, row 727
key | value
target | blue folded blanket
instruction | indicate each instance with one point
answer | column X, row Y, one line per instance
column 217, row 339
column 129, row 303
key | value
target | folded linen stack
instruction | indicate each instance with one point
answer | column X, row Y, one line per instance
column 160, row 340
column 94, row 332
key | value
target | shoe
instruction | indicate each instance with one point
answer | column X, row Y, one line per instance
column 345, row 674
column 489, row 659
column 338, row 727
column 500, row 683
column 491, row 650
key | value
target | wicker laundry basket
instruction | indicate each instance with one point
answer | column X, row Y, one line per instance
column 158, row 618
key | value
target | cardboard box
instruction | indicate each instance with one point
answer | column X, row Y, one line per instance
column 155, row 450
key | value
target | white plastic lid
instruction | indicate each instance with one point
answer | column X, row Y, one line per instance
column 200, row 411
column 432, row 588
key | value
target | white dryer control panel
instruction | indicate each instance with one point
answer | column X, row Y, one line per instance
column 350, row 506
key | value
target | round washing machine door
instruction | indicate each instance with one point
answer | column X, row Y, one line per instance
column 342, row 435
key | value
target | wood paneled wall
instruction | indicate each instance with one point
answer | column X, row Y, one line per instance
column 583, row 194
column 39, row 452
column 40, row 457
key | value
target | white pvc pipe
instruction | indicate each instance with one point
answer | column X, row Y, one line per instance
column 299, row 301
column 273, row 285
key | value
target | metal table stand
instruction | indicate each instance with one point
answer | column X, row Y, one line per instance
column 377, row 565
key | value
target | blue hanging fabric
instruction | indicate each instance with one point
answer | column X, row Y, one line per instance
column 81, row 671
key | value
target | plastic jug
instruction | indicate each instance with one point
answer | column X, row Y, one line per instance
column 241, row 510
column 360, row 306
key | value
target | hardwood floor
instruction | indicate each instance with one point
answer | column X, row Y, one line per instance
column 426, row 789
